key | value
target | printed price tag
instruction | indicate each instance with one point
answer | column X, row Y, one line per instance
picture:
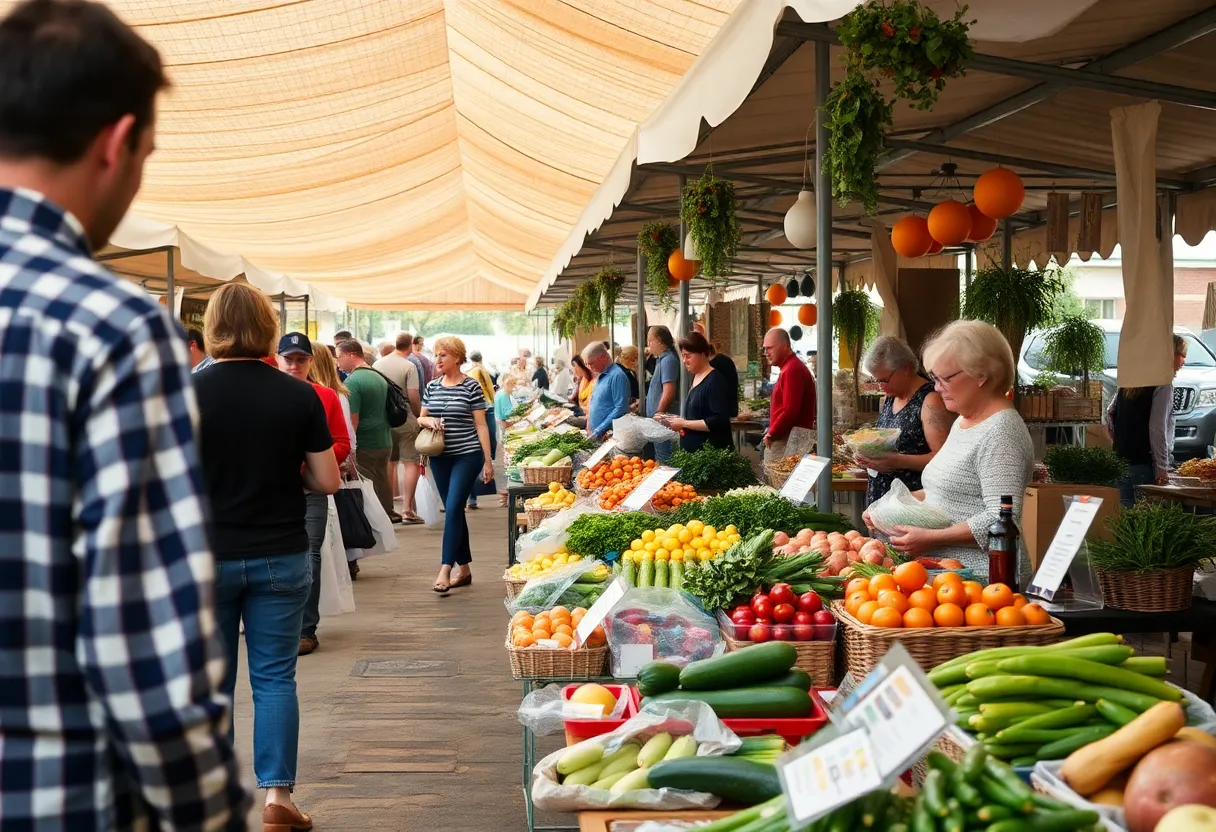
column 648, row 487
column 599, row 610
column 633, row 658
column 564, row 428
column 537, row 411
column 829, row 776
column 1064, row 546
column 903, row 715
column 600, row 452
column 804, row 477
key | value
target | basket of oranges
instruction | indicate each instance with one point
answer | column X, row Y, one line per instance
column 611, row 472
column 673, row 495
column 935, row 621
column 542, row 646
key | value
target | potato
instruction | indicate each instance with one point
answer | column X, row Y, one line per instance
column 1176, row 774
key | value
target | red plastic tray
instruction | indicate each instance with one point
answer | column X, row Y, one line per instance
column 793, row 731
column 578, row 730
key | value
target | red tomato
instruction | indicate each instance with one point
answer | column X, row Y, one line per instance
column 825, row 625
column 782, row 633
column 784, row 613
column 741, row 608
column 782, row 594
column 767, row 621
column 810, row 602
column 804, row 632
column 762, row 606
column 743, row 616
column 759, row 633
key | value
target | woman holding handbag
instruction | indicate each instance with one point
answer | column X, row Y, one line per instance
column 457, row 440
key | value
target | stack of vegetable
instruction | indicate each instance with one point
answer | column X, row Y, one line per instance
column 841, row 550
column 542, row 566
column 1042, row 703
column 583, row 592
column 712, row 467
column 751, row 564
column 658, row 557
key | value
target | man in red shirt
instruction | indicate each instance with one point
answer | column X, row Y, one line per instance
column 793, row 402
column 295, row 359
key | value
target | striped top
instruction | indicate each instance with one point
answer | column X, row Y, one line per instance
column 455, row 406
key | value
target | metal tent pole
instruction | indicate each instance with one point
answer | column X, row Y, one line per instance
column 970, row 265
column 170, row 292
column 823, row 269
column 282, row 313
column 639, row 333
column 682, row 326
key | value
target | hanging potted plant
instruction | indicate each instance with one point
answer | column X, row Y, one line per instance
column 708, row 210
column 656, row 241
column 855, row 322
column 858, row 117
column 609, row 282
column 1014, row 300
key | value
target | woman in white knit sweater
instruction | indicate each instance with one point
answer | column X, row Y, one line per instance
column 988, row 452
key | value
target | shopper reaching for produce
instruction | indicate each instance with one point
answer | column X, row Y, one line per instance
column 706, row 416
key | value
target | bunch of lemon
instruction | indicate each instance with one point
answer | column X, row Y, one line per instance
column 695, row 541
column 556, row 497
column 540, row 567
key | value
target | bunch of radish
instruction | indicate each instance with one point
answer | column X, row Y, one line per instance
column 839, row 550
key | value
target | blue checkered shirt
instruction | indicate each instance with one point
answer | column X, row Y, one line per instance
column 109, row 658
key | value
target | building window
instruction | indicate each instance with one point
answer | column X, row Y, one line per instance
column 1100, row 308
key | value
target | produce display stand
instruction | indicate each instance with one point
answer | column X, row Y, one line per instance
column 602, row 821
column 1202, row 499
column 517, row 493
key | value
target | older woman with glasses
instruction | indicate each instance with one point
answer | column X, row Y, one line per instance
column 913, row 408
column 988, row 453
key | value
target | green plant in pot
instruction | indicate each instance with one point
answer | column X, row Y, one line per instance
column 656, row 241
column 1073, row 465
column 609, row 283
column 855, row 322
column 708, row 209
column 583, row 311
column 1077, row 347
column 1014, row 300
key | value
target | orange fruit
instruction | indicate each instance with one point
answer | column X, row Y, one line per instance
column 1019, row 600
column 563, row 640
column 856, row 584
column 925, row 599
column 539, row 634
column 978, row 615
column 945, row 577
column 521, row 617
column 975, row 592
column 880, row 582
column 855, row 600
column 1034, row 614
column 866, row 611
column 910, row 576
column 894, row 599
column 952, row 593
column 887, row 617
column 948, row 615
column 1010, row 617
column 523, row 640
column 997, row 596
column 563, row 629
column 916, row 617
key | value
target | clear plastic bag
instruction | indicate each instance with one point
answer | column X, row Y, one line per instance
column 426, row 495
column 899, row 508
column 651, row 623
column 633, row 432
column 550, row 536
column 543, row 593
column 678, row 718
column 544, row 711
column 871, row 442
column 1045, row 777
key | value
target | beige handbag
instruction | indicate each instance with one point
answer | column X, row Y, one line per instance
column 429, row 442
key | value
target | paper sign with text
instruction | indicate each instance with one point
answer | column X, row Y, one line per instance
column 537, row 411
column 648, row 487
column 830, row 775
column 1064, row 546
column 804, row 477
column 902, row 717
column 599, row 610
column 599, row 453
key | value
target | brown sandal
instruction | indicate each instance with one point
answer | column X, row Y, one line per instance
column 276, row 818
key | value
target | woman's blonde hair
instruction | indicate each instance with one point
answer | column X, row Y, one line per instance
column 629, row 357
column 325, row 370
column 451, row 345
column 979, row 349
column 240, row 323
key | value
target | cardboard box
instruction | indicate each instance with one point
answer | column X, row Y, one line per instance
column 1043, row 509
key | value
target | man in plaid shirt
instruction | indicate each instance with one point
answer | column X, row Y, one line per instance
column 110, row 716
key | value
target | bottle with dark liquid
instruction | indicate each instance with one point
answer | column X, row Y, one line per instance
column 1003, row 547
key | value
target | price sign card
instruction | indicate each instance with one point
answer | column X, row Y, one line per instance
column 901, row 716
column 599, row 610
column 599, row 453
column 1064, row 546
column 633, row 658
column 829, row 775
column 537, row 411
column 648, row 487
column 804, row 477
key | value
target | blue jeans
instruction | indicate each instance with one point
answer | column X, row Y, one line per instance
column 270, row 594
column 455, row 477
column 1136, row 475
column 316, row 517
column 663, row 452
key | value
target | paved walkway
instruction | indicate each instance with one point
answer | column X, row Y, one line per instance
column 408, row 708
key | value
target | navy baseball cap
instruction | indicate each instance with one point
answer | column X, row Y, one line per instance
column 294, row 342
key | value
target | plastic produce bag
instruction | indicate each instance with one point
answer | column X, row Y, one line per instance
column 382, row 526
column 899, row 508
column 677, row 718
column 559, row 587
column 337, row 593
column 1045, row 777
column 544, row 712
column 550, row 536
column 633, row 432
column 871, row 442
column 426, row 495
column 651, row 623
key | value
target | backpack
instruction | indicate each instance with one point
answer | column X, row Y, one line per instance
column 396, row 405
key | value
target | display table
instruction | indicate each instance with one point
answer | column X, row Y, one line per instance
column 739, row 427
column 516, row 493
column 602, row 821
column 1200, row 498
column 855, row 488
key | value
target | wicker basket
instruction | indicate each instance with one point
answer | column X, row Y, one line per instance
column 536, row 516
column 540, row 663
column 865, row 645
column 1166, row 590
column 776, row 478
column 513, row 587
column 546, row 475
column 818, row 658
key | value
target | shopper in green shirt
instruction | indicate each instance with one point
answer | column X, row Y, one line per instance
column 373, row 438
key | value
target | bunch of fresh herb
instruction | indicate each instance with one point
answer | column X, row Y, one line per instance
column 1152, row 536
column 1084, row 466
column 568, row 443
column 749, row 565
column 711, row 467
column 519, row 410
column 753, row 513
column 594, row 535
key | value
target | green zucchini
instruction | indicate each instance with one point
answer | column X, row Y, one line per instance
column 660, row 573
column 1115, row 714
column 994, row 688
column 1063, row 718
column 1060, row 749
column 760, row 701
column 629, row 571
column 796, row 678
column 646, row 573
column 676, row 579
column 751, row 665
column 731, row 778
column 658, row 677
column 1066, row 821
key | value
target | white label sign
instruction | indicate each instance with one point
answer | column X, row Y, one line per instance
column 902, row 716
column 648, row 487
column 633, row 658
column 831, row 775
column 599, row 610
column 600, row 452
column 1064, row 546
column 804, row 477
column 582, row 710
column 537, row 411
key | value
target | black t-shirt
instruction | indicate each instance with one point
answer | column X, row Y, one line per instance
column 710, row 401
column 633, row 383
column 725, row 365
column 256, row 426
column 541, row 378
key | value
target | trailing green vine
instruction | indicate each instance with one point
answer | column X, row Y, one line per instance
column 858, row 117
column 708, row 210
column 656, row 241
column 609, row 282
column 591, row 305
column 855, row 321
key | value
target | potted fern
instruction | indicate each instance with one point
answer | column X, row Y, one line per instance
column 1077, row 347
column 1014, row 300
column 855, row 322
column 656, row 241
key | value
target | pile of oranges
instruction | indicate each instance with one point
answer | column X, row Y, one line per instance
column 556, row 625
column 905, row 599
column 619, row 469
column 673, row 494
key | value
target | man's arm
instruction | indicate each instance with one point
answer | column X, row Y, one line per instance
column 413, row 391
column 147, row 639
column 620, row 394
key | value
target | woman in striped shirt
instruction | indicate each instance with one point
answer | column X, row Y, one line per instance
column 455, row 404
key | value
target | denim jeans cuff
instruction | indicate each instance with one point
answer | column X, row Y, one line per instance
column 277, row 784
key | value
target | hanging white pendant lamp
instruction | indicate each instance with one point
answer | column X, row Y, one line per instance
column 802, row 220
column 690, row 251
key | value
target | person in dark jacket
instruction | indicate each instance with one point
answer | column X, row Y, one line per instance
column 1140, row 421
column 707, row 406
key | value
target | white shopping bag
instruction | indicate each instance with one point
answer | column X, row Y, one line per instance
column 426, row 495
column 337, row 593
column 382, row 526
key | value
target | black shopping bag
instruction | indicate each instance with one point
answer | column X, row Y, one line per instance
column 356, row 531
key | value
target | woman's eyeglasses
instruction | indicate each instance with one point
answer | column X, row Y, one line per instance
column 944, row 380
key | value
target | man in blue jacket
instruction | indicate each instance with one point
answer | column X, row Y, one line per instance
column 610, row 399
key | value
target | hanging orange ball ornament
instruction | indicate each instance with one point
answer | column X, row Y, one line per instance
column 910, row 237
column 934, row 249
column 999, row 193
column 776, row 295
column 808, row 313
column 949, row 222
column 982, row 225
column 680, row 267
column 774, row 318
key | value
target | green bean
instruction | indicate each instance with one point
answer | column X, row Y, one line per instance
column 1092, row 672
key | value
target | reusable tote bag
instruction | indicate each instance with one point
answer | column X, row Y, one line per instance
column 383, row 533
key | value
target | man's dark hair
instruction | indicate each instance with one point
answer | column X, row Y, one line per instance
column 68, row 70
column 342, row 335
column 475, row 356
column 195, row 336
column 404, row 342
column 351, row 347
column 664, row 336
column 419, row 340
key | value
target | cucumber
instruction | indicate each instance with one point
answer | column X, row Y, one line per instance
column 760, row 701
column 654, row 749
column 753, row 664
column 1060, row 749
column 580, row 756
column 676, row 579
column 1146, row 665
column 629, row 571
column 660, row 573
column 1095, row 673
column 994, row 688
column 639, row 779
column 658, row 677
column 646, row 573
column 796, row 678
column 585, row 776
column 1115, row 714
column 623, row 764
column 731, row 778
